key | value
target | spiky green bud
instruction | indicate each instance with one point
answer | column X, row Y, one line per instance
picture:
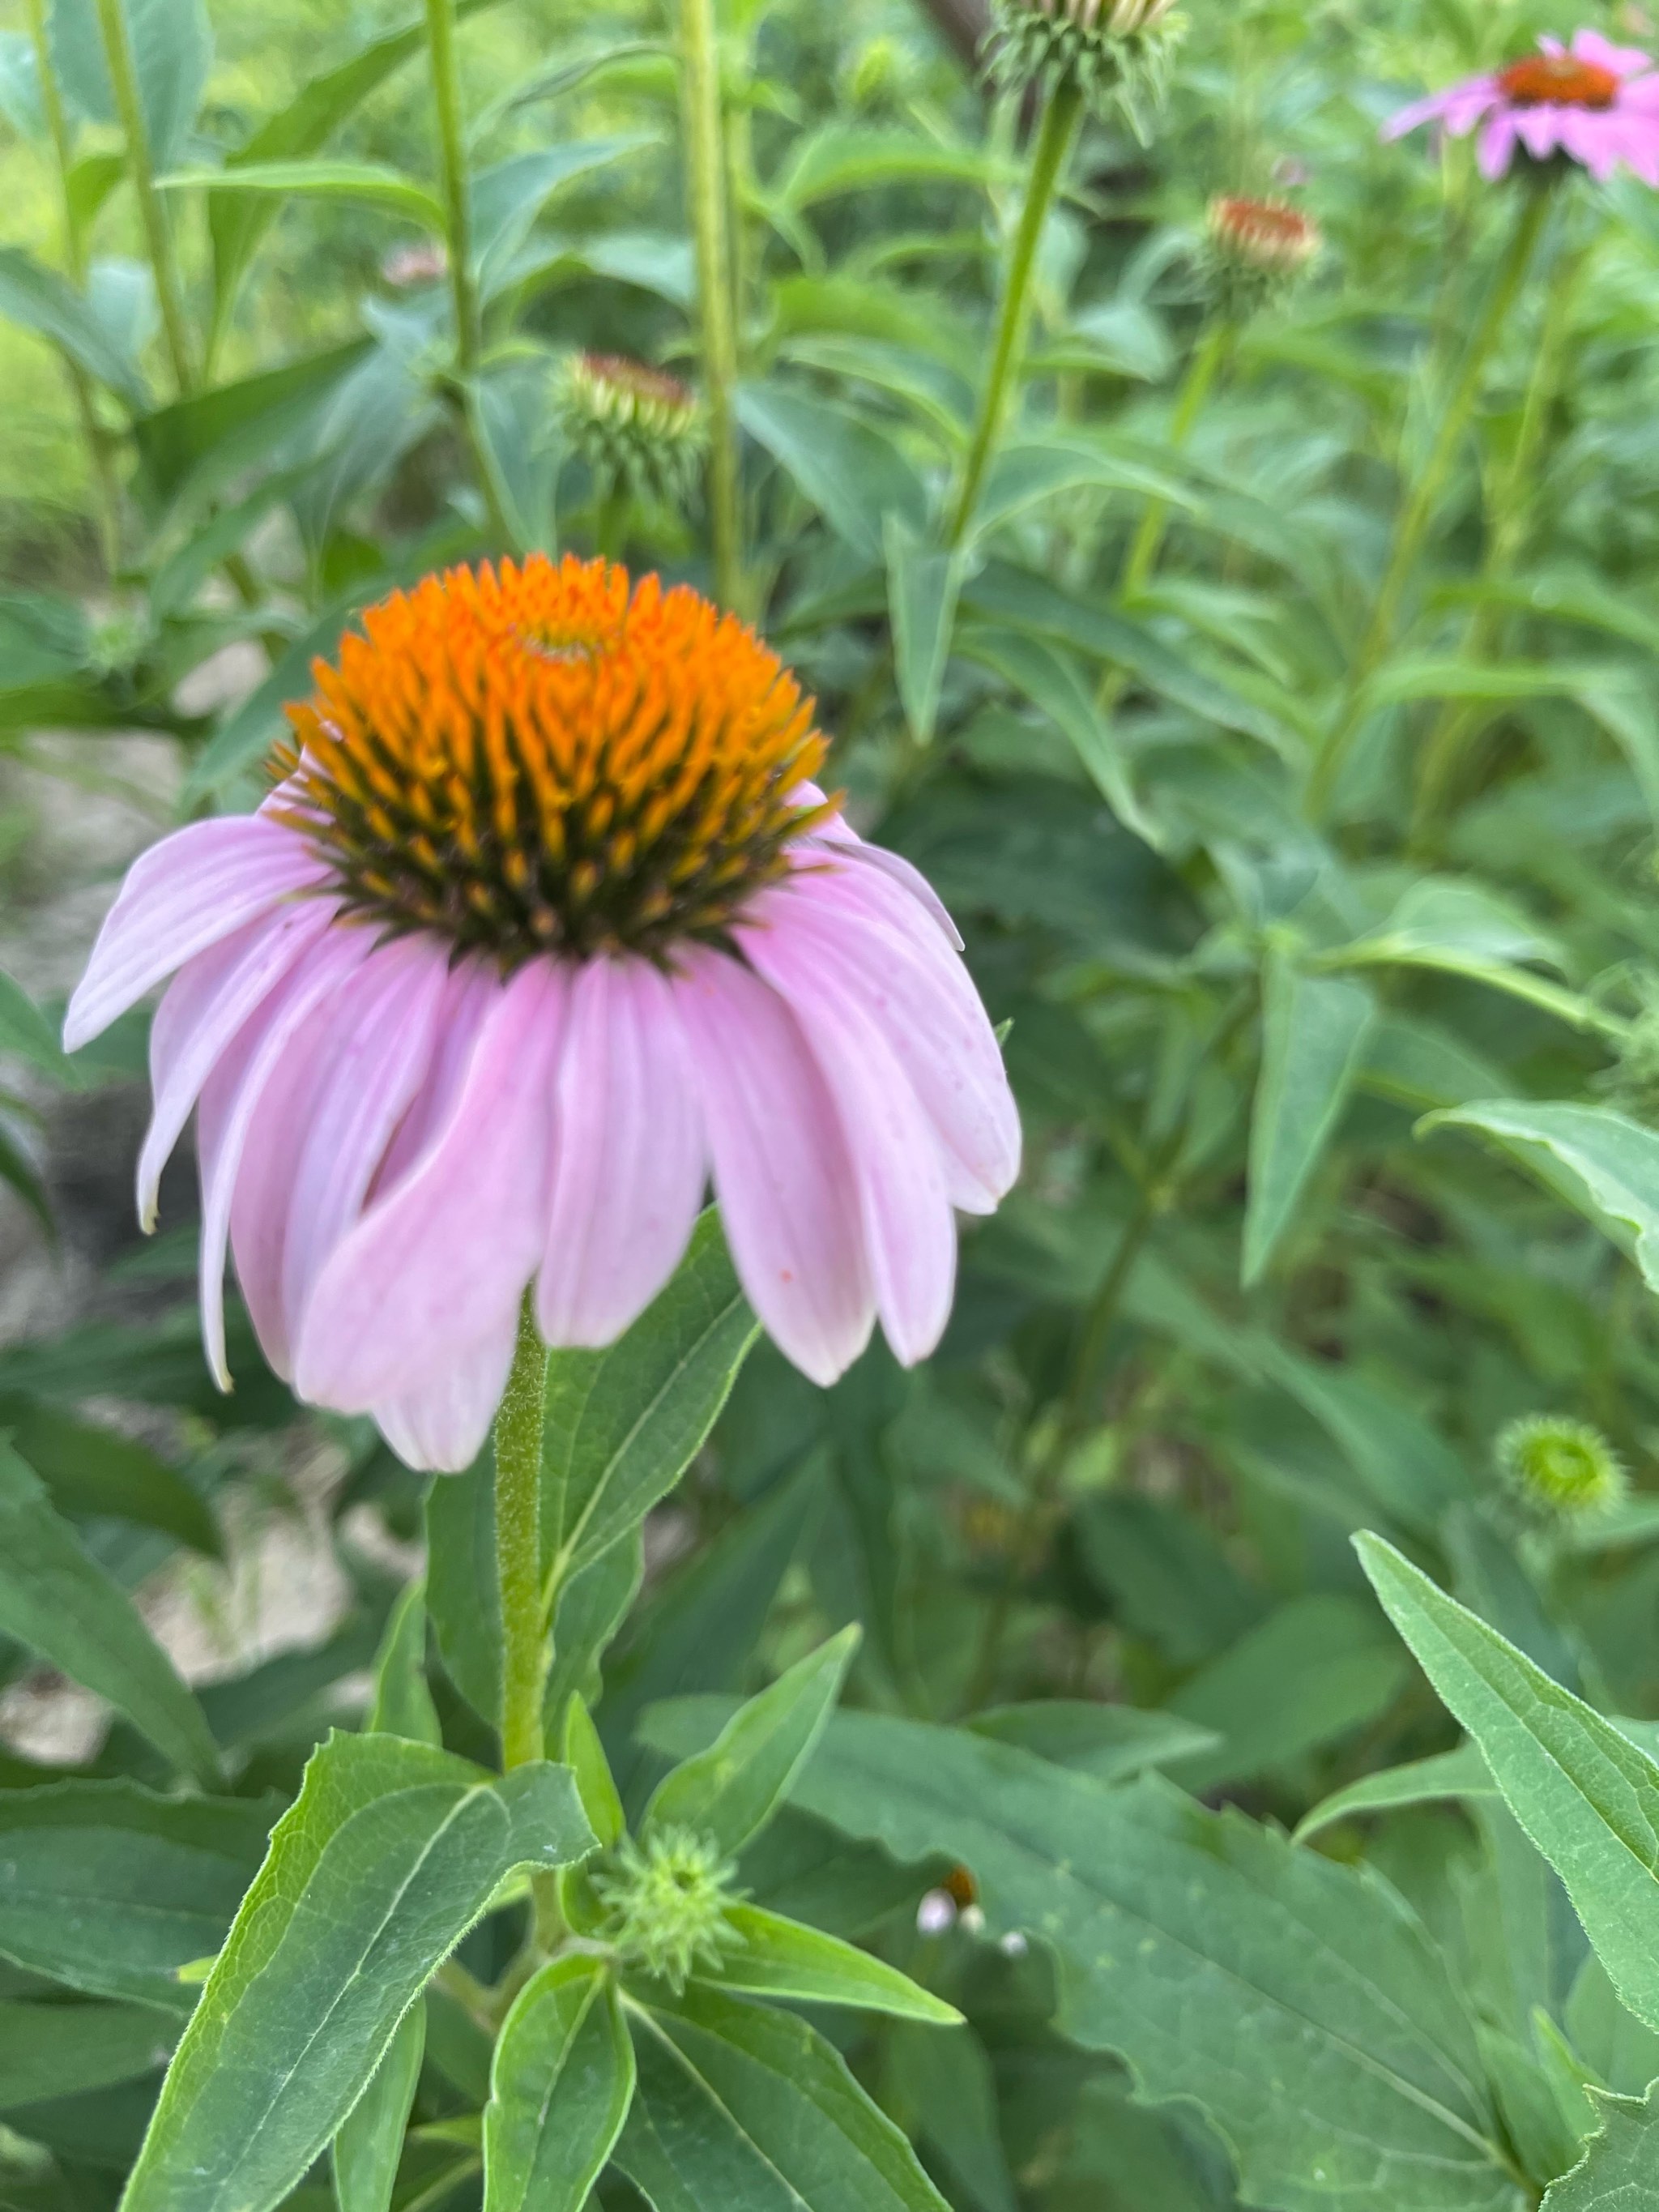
column 1119, row 53
column 666, row 1902
column 637, row 428
column 1561, row 1466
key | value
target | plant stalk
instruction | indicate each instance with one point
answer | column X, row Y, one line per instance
column 519, row 1546
column 1201, row 372
column 453, row 182
column 707, row 171
column 1412, row 525
column 107, row 490
column 158, row 231
column 1054, row 135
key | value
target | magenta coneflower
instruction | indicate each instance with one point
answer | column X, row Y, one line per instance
column 546, row 925
column 1595, row 102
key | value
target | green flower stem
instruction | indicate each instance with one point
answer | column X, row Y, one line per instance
column 1202, row 370
column 707, row 171
column 158, row 232
column 1507, row 528
column 519, row 1546
column 1411, row 525
column 1054, row 135
column 74, row 260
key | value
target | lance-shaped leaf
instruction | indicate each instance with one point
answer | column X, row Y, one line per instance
column 172, row 47
column 1314, row 1043
column 50, row 2049
column 779, row 1958
column 739, row 2104
column 1461, row 1775
column 1051, row 680
column 42, row 301
column 1300, row 2003
column 56, row 1599
column 730, row 1790
column 559, row 2090
column 852, row 472
column 402, row 1704
column 391, row 1853
column 1586, row 1795
column 924, row 582
column 368, row 184
column 371, row 2138
column 1620, row 2170
column 622, row 1425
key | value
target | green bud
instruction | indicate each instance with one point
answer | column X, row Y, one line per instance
column 666, row 1902
column 1253, row 250
column 1561, row 1466
column 637, row 428
column 1119, row 53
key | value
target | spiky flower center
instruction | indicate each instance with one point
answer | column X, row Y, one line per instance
column 1266, row 235
column 550, row 759
column 1562, row 1466
column 1558, row 81
column 667, row 1901
column 1116, row 19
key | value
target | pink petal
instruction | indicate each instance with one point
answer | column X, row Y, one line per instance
column 1539, row 129
column 1498, row 144
column 179, row 897
column 849, row 845
column 383, row 1049
column 442, row 1424
column 206, row 1004
column 1594, row 140
column 444, row 1255
column 230, row 1097
column 629, row 1162
column 1591, row 47
column 924, row 1001
column 470, row 991
column 1458, row 108
column 909, row 1230
column 787, row 1195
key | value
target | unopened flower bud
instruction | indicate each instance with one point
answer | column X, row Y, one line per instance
column 1255, row 249
column 1560, row 1467
column 636, row 427
column 1118, row 52
column 937, row 1913
column 666, row 1902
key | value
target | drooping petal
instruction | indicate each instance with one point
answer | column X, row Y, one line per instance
column 1458, row 108
column 207, row 1003
column 182, row 895
column 381, row 1058
column 837, row 832
column 910, row 1230
column 629, row 1163
column 787, row 1193
column 1498, row 144
column 1591, row 47
column 440, row 1426
column 231, row 1096
column 443, row 1256
column 923, row 1000
column 1539, row 129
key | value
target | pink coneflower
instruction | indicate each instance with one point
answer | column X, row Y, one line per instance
column 1593, row 101
column 546, row 925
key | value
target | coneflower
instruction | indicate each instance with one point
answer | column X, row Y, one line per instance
column 1117, row 53
column 639, row 429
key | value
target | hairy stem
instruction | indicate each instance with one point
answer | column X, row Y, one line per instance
column 708, row 171
column 453, row 183
column 108, row 491
column 519, row 1544
column 1053, row 142
column 158, row 232
column 1411, row 523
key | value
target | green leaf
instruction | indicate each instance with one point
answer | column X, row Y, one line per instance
column 402, row 1704
column 19, row 85
column 849, row 471
column 392, row 1852
column 946, row 2092
column 584, row 1754
column 371, row 2138
column 1314, row 1028
column 215, row 436
column 622, row 1425
column 1584, row 1793
column 91, row 1470
column 923, row 584
column 730, row 1790
column 1029, row 470
column 522, row 443
column 1462, row 1776
column 559, row 2090
column 24, row 1029
column 740, row 2105
column 852, row 157
column 1111, row 1742
column 593, row 1606
column 1599, row 1161
column 109, row 1889
column 1620, row 2170
column 507, row 197
column 1051, row 679
column 366, row 183
column 42, row 301
column 779, row 1958
column 172, row 43
column 462, row 1599
column 55, row 1598
column 59, row 2049
column 1299, row 2001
